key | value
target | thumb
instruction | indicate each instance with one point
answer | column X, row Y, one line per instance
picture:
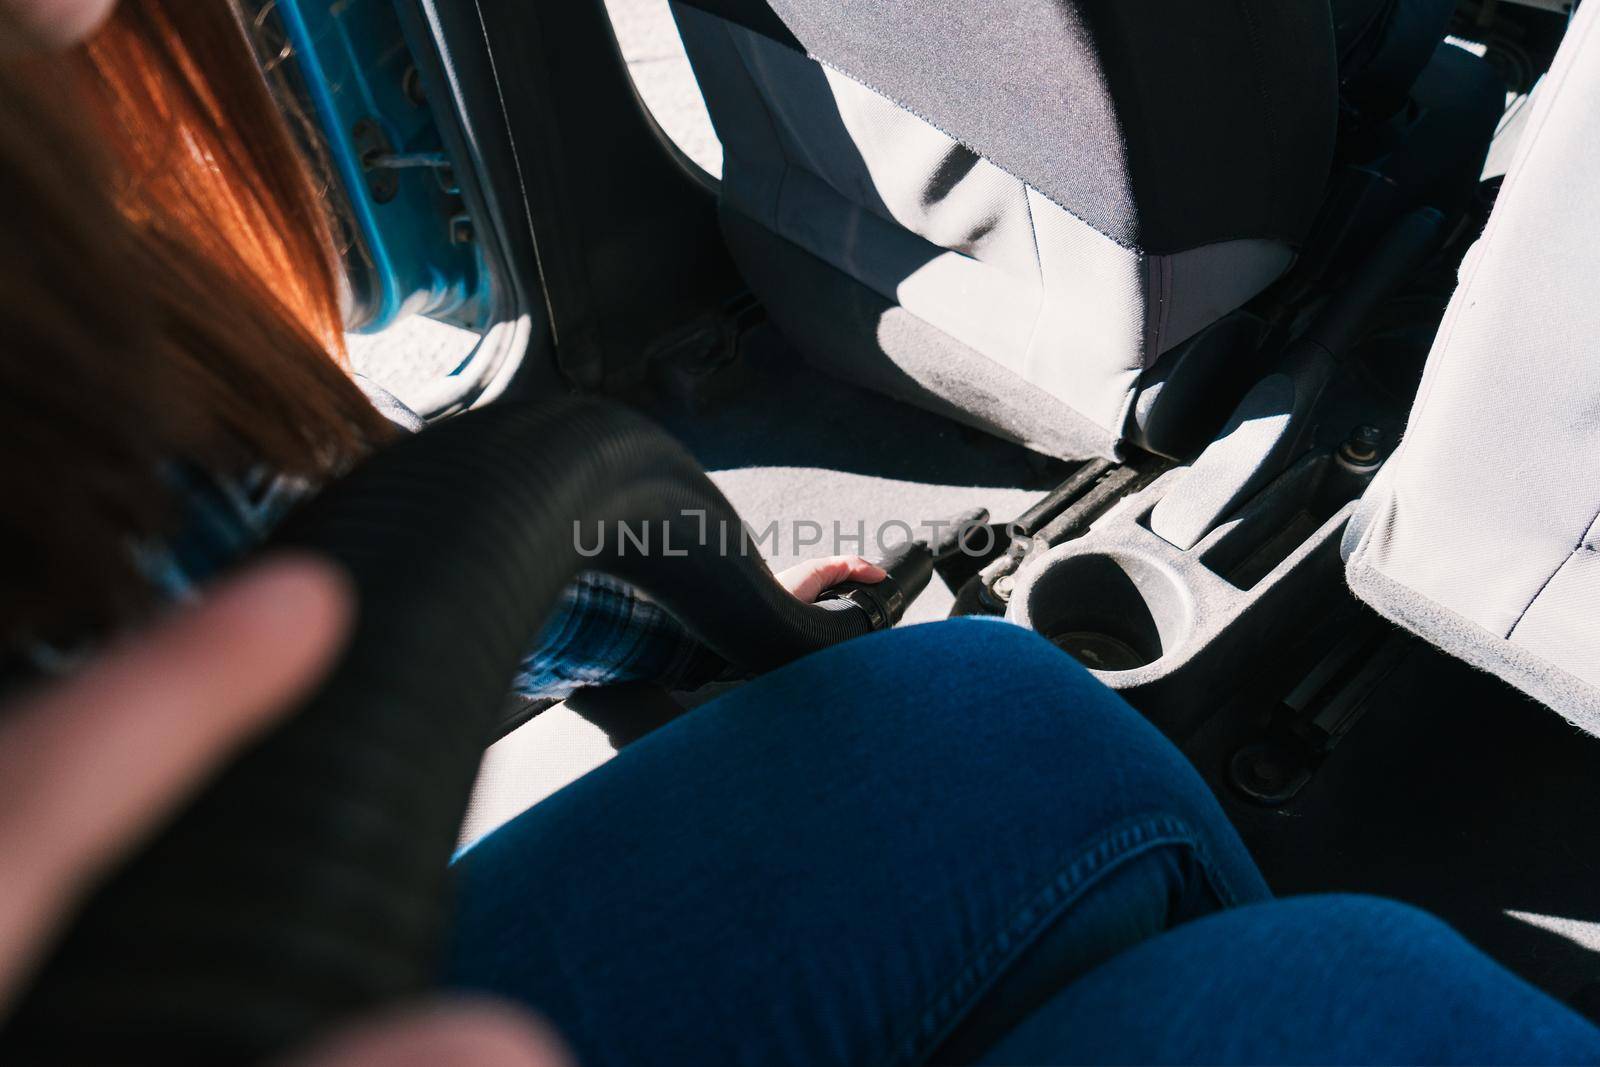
column 483, row 1035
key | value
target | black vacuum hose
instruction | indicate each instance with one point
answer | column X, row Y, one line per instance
column 307, row 885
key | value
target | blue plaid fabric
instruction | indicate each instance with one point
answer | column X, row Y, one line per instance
column 600, row 632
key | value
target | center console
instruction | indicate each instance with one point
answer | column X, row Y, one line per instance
column 1172, row 627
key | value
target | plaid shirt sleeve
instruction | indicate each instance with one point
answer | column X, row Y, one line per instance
column 603, row 632
column 600, row 632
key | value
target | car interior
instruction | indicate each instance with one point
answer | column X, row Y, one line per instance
column 1250, row 343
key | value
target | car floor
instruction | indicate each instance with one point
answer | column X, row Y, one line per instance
column 795, row 446
column 1452, row 792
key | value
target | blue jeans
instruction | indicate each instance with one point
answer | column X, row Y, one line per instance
column 1329, row 979
column 925, row 844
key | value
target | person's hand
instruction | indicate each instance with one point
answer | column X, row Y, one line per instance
column 479, row 1035
column 59, row 23
column 811, row 579
column 95, row 763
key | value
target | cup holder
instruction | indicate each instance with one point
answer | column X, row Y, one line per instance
column 1109, row 611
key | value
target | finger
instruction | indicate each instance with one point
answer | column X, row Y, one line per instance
column 808, row 580
column 861, row 570
column 59, row 23
column 93, row 762
column 481, row 1035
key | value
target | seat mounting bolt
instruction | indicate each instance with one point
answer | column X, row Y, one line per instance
column 1362, row 450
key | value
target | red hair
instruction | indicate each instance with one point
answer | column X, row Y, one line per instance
column 168, row 295
column 206, row 158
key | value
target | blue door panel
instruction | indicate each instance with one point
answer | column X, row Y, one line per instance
column 413, row 249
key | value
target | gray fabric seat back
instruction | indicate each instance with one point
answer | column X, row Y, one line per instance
column 1008, row 212
column 1482, row 533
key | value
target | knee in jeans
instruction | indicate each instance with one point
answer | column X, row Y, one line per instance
column 973, row 664
column 1361, row 914
column 988, row 648
column 1373, row 929
column 997, row 688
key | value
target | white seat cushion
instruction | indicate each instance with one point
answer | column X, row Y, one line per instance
column 1481, row 533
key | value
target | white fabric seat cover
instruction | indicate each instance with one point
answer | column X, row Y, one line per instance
column 1011, row 219
column 1482, row 533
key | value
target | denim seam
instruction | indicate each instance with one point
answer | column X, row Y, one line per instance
column 1121, row 844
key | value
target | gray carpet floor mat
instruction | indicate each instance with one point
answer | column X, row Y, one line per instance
column 795, row 447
